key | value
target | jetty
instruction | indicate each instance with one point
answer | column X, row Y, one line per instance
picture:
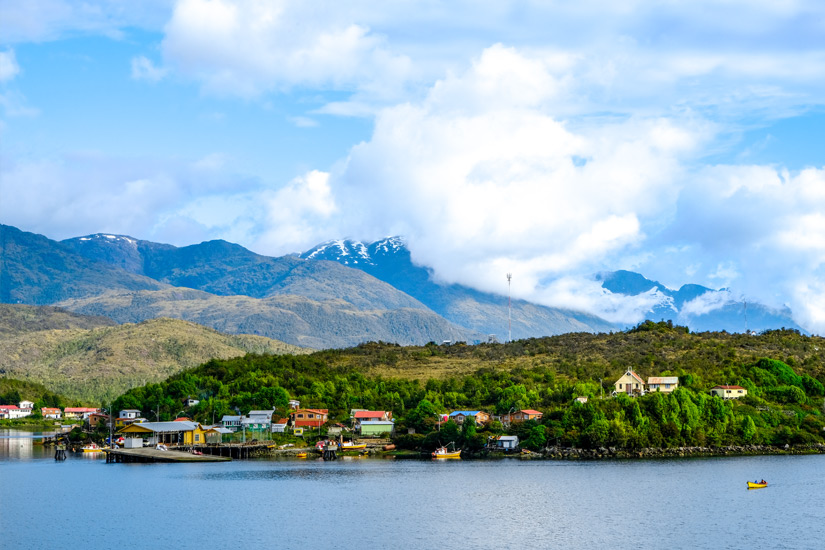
column 148, row 454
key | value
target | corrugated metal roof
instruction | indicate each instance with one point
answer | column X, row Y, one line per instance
column 163, row 427
column 464, row 413
column 530, row 411
column 663, row 380
column 508, row 438
column 377, row 422
column 369, row 414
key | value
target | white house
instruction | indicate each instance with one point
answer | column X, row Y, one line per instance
column 280, row 426
column 507, row 442
column 232, row 422
column 26, row 407
column 729, row 392
column 129, row 414
column 258, row 420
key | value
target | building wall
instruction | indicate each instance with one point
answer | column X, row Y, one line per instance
column 370, row 429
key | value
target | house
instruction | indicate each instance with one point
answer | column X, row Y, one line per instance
column 664, row 384
column 729, row 392
column 480, row 417
column 129, row 414
column 294, row 404
column 78, row 412
column 308, row 418
column 582, row 399
column 13, row 411
column 95, row 419
column 231, row 422
column 51, row 412
column 183, row 432
column 630, row 383
column 280, row 425
column 376, row 427
column 189, row 402
column 521, row 416
column 258, row 420
column 26, row 407
column 507, row 442
column 371, row 416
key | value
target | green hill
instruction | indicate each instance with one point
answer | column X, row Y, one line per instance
column 782, row 371
column 98, row 364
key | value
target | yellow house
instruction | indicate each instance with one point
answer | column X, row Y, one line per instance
column 664, row 384
column 630, row 383
column 182, row 432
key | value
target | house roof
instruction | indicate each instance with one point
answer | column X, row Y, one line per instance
column 230, row 418
column 369, row 414
column 129, row 411
column 282, row 421
column 377, row 423
column 48, row 409
column 10, row 407
column 261, row 413
column 182, row 419
column 161, row 427
column 316, row 411
column 464, row 413
column 79, row 410
column 728, row 387
column 633, row 375
column 508, row 438
column 662, row 379
column 530, row 411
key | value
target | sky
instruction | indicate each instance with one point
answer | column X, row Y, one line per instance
column 553, row 140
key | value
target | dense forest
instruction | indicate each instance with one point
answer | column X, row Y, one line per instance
column 782, row 371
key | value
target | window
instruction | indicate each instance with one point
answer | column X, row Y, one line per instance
column 197, row 438
column 620, row 386
column 667, row 386
column 310, row 416
column 300, row 416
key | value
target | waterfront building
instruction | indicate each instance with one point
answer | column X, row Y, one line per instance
column 506, row 442
column 183, row 432
column 480, row 417
column 522, row 416
column 308, row 418
column 51, row 412
column 376, row 427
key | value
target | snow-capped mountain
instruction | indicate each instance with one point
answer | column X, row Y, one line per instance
column 698, row 307
column 389, row 260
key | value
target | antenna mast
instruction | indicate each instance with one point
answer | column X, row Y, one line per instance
column 509, row 311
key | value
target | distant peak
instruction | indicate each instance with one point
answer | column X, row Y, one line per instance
column 108, row 237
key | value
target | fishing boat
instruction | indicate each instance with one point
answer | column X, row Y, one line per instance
column 350, row 446
column 92, row 448
column 760, row 485
column 443, row 452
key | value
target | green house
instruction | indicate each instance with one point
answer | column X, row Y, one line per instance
column 377, row 427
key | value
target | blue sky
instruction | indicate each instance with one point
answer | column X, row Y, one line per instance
column 553, row 140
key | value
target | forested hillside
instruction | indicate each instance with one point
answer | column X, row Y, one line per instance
column 782, row 371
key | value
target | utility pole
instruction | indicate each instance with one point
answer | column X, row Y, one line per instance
column 509, row 311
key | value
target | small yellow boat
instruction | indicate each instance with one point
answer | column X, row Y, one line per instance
column 760, row 485
column 350, row 446
column 301, row 455
column 442, row 452
column 92, row 448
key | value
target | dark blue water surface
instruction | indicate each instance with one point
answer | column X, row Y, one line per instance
column 383, row 503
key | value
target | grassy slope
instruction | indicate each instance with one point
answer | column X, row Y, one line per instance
column 101, row 363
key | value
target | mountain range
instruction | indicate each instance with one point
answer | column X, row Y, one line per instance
column 337, row 294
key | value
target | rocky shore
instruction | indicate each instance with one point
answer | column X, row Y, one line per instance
column 565, row 453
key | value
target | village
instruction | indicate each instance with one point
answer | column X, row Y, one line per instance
column 266, row 432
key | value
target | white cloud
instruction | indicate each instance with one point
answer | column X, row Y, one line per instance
column 706, row 303
column 8, row 66
column 249, row 47
column 144, row 69
column 299, row 213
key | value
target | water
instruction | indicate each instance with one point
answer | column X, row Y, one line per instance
column 381, row 503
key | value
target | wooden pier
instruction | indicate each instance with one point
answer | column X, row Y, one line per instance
column 148, row 454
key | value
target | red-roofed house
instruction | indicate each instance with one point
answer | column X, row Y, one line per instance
column 302, row 418
column 373, row 416
column 729, row 392
column 630, row 383
column 78, row 412
column 10, row 411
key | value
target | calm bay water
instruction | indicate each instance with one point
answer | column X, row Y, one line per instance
column 383, row 503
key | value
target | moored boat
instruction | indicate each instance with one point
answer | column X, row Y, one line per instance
column 92, row 448
column 442, row 452
column 301, row 455
column 350, row 446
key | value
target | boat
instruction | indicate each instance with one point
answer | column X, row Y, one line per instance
column 442, row 452
column 92, row 448
column 350, row 446
column 301, row 455
column 760, row 485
